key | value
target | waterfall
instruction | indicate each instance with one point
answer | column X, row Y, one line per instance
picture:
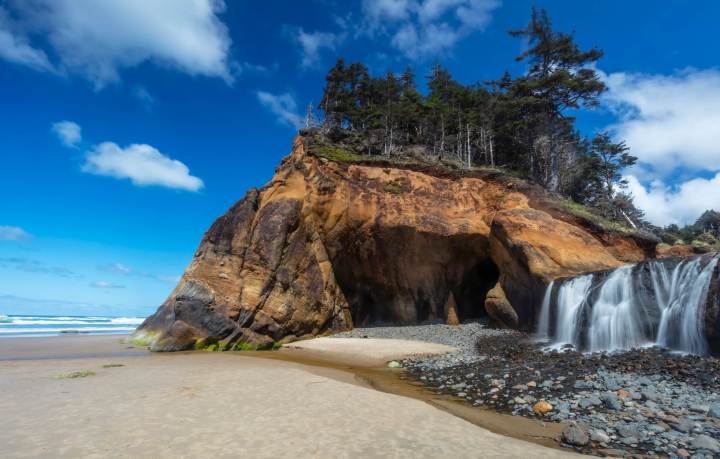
column 659, row 302
column 544, row 320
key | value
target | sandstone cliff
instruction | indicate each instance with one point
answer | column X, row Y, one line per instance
column 328, row 245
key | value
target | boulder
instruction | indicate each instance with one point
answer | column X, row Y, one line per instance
column 575, row 435
column 499, row 308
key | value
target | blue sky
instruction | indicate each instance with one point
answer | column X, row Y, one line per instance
column 127, row 127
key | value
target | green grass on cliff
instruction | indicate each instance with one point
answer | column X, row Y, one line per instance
column 584, row 213
column 338, row 154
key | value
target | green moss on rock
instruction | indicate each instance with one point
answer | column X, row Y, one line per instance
column 76, row 374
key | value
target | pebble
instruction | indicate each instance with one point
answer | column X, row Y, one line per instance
column 707, row 443
column 611, row 401
column 599, row 436
column 575, row 435
column 542, row 407
column 714, row 411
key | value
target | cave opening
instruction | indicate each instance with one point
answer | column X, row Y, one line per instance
column 471, row 292
column 406, row 295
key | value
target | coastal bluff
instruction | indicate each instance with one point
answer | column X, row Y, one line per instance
column 328, row 245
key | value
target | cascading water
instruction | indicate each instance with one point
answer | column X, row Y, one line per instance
column 658, row 302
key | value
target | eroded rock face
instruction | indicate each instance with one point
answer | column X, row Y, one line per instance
column 712, row 312
column 326, row 246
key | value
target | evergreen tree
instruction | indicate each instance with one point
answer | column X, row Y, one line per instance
column 559, row 77
column 332, row 96
column 608, row 159
column 524, row 123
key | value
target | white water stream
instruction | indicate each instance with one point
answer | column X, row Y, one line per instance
column 609, row 313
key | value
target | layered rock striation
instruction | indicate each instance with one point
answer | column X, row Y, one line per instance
column 328, row 245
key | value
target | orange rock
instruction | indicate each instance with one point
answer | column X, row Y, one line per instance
column 499, row 308
column 451, row 311
column 677, row 250
column 622, row 393
column 542, row 407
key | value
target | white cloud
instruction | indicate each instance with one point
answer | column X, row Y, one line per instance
column 682, row 204
column 379, row 11
column 14, row 46
column 69, row 133
column 670, row 122
column 98, row 39
column 314, row 42
column 283, row 106
column 424, row 28
column 116, row 268
column 142, row 164
column 105, row 284
column 13, row 233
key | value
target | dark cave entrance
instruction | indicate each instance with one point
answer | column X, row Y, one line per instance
column 471, row 292
column 379, row 294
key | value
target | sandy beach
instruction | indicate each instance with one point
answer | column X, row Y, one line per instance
column 206, row 404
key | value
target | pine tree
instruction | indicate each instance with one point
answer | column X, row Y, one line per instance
column 560, row 77
column 331, row 104
column 608, row 159
column 524, row 123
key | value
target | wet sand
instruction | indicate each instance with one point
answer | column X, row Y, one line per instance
column 206, row 404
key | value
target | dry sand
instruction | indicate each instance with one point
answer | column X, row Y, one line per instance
column 368, row 351
column 214, row 405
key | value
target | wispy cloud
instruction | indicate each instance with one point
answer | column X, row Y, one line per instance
column 283, row 106
column 313, row 43
column 105, row 285
column 69, row 133
column 144, row 97
column 34, row 266
column 421, row 29
column 119, row 268
column 15, row 46
column 13, row 233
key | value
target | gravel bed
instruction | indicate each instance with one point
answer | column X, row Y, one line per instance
column 640, row 403
column 464, row 337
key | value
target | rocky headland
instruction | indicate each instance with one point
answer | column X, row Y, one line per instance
column 337, row 240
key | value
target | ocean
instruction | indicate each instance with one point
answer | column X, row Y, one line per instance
column 12, row 326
